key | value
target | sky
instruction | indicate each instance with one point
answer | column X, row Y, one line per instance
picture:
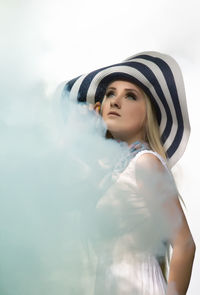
column 46, row 42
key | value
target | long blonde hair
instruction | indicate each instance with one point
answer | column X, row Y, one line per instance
column 152, row 129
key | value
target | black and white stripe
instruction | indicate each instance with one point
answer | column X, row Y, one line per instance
column 160, row 77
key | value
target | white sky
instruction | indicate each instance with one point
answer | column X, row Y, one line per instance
column 62, row 39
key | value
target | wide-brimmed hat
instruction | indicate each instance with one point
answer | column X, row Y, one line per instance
column 161, row 79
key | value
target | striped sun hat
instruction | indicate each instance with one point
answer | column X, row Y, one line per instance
column 160, row 78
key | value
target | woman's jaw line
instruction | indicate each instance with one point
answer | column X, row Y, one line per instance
column 128, row 140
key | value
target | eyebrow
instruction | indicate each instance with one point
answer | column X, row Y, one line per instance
column 127, row 89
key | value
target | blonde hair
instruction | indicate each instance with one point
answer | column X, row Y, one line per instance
column 152, row 129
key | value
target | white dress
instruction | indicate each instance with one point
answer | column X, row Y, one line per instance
column 127, row 239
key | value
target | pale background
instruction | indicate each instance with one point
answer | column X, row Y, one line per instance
column 59, row 40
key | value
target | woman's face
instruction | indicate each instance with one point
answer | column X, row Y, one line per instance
column 124, row 111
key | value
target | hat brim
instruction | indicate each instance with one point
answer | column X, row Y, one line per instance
column 161, row 79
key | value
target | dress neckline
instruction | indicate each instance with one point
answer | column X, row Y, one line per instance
column 138, row 146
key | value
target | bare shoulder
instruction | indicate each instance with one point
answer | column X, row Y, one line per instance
column 150, row 161
column 151, row 170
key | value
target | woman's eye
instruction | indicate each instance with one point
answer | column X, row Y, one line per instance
column 131, row 96
column 110, row 94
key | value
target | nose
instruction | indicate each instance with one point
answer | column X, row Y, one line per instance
column 115, row 101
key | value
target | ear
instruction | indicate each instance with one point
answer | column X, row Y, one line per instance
column 97, row 107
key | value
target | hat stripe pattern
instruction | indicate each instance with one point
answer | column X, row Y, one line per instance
column 160, row 77
column 113, row 73
column 149, row 75
column 169, row 77
column 142, row 68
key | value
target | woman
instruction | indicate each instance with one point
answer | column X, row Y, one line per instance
column 142, row 102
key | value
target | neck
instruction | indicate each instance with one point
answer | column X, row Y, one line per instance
column 135, row 142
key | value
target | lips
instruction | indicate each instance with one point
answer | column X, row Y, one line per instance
column 114, row 113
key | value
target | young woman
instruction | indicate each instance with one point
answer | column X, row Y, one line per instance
column 142, row 102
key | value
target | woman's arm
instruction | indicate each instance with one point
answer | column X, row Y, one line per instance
column 182, row 257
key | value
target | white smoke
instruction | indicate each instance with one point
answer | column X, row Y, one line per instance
column 44, row 151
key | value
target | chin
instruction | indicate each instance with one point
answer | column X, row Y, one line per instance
column 112, row 126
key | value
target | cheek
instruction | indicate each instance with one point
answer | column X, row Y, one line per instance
column 137, row 111
column 104, row 108
column 137, row 115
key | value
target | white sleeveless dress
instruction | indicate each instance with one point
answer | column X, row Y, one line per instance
column 126, row 263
